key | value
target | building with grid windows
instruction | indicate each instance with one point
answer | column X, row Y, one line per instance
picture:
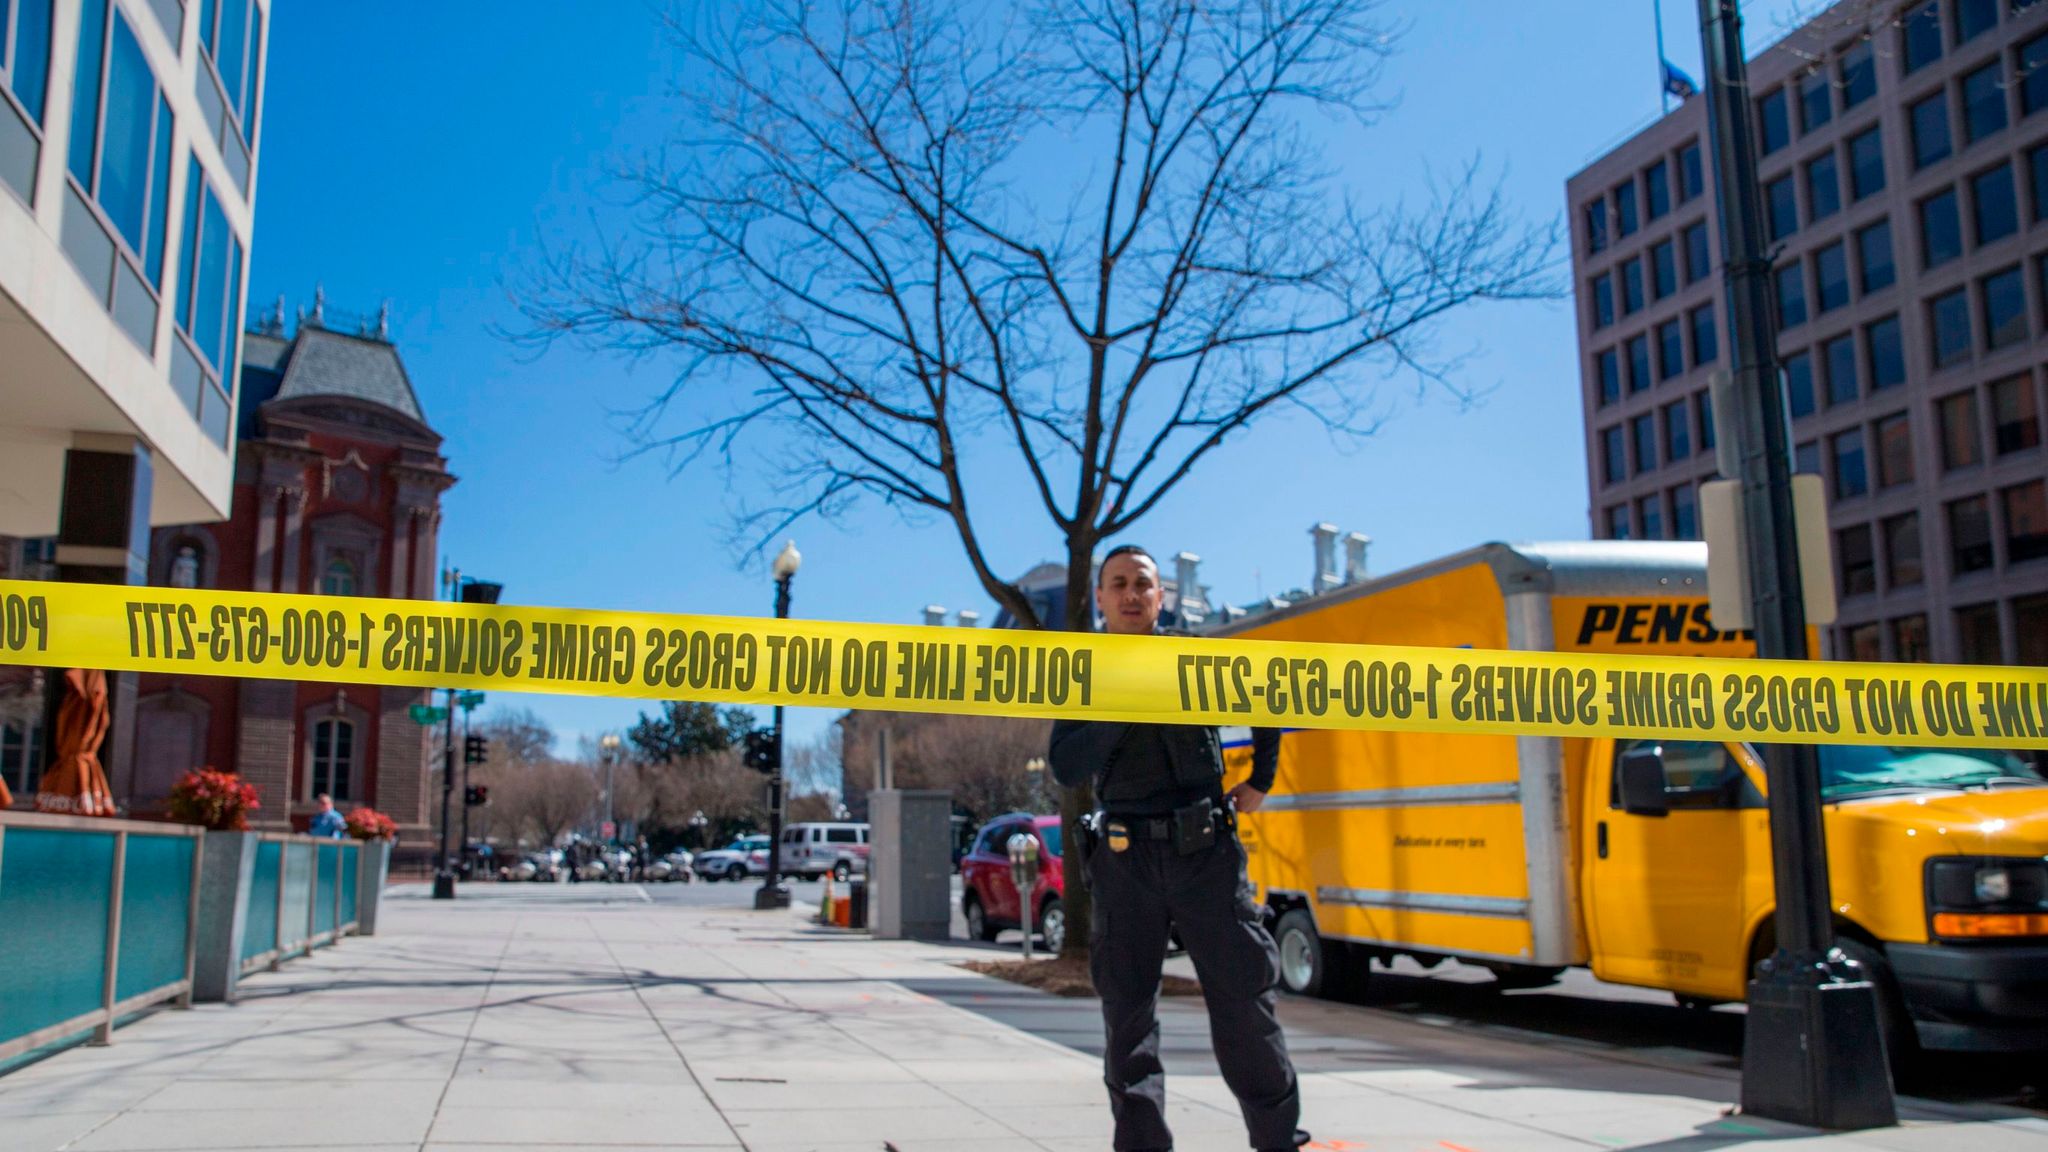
column 1904, row 164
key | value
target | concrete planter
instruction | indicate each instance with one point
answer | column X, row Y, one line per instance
column 373, row 865
column 226, row 867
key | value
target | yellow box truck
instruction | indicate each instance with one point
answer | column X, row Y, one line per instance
column 1528, row 855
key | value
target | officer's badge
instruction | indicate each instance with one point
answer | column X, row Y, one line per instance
column 1119, row 837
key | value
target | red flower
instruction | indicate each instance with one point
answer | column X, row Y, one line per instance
column 220, row 801
column 370, row 824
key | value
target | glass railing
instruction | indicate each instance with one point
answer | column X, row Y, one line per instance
column 301, row 896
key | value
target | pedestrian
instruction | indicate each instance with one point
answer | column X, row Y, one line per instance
column 327, row 823
column 1163, row 857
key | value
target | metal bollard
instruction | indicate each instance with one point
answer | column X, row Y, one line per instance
column 1023, row 848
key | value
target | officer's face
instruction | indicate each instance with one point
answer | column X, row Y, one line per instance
column 1128, row 595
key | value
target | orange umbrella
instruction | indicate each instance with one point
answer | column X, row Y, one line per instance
column 75, row 784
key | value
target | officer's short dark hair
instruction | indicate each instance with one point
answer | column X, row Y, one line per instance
column 1123, row 550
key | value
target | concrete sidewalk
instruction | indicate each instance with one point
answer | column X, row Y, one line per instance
column 552, row 1024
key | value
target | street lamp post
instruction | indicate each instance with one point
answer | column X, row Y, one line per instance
column 608, row 744
column 772, row 893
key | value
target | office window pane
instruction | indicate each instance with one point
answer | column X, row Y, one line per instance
column 1613, row 455
column 85, row 91
column 1930, row 130
column 29, row 71
column 1840, row 356
column 1922, row 35
column 1664, row 268
column 1851, row 476
column 1670, row 349
column 1874, row 253
column 1791, row 296
column 2005, row 309
column 2026, row 521
column 1603, row 300
column 1894, row 451
column 1978, row 638
column 1610, row 376
column 1705, row 401
column 1705, row 347
column 2037, row 164
column 1886, row 352
column 125, row 147
column 1677, row 432
column 1969, row 535
column 1863, row 642
column 1909, row 639
column 1866, row 164
column 2030, row 628
column 1949, row 319
column 1902, row 550
column 1691, row 179
column 1638, row 363
column 1773, row 123
column 1816, row 100
column 1697, row 258
column 1799, row 395
column 1783, row 205
column 1857, row 559
column 1631, row 286
column 1617, row 522
column 1983, row 102
column 1596, row 226
column 1657, row 188
column 2034, row 75
column 1625, row 208
column 1974, row 17
column 1643, row 430
column 1650, row 514
column 1685, row 514
column 1993, row 205
column 1941, row 230
column 1831, row 276
column 2015, row 415
column 1858, row 75
column 1958, row 418
column 1806, row 458
column 1823, row 188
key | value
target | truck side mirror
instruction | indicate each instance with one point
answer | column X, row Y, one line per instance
column 1642, row 782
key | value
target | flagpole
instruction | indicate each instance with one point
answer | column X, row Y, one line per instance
column 1663, row 89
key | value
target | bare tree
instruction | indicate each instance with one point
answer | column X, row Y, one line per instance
column 546, row 799
column 1084, row 241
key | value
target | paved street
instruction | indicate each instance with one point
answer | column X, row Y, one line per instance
column 600, row 1017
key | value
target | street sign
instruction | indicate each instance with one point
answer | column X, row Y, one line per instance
column 427, row 713
column 608, row 829
column 468, row 701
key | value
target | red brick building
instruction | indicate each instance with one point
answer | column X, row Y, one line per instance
column 338, row 482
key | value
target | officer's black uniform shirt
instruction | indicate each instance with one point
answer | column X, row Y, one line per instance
column 1152, row 769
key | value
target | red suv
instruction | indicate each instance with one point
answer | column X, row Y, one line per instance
column 989, row 898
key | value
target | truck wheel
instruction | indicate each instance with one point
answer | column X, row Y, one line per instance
column 1901, row 1042
column 1310, row 965
column 1512, row 977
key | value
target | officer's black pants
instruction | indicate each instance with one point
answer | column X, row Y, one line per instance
column 1140, row 894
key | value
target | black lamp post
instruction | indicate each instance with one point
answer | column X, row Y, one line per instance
column 469, row 592
column 773, row 894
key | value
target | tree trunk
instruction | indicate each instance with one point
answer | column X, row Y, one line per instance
column 1077, row 802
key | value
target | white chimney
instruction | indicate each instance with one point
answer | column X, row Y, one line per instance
column 1187, row 572
column 968, row 618
column 934, row 615
column 1326, row 558
column 1355, row 545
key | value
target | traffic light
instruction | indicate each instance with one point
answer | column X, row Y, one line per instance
column 764, row 751
column 476, row 795
column 472, row 749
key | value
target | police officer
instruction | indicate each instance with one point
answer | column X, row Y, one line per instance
column 1165, row 856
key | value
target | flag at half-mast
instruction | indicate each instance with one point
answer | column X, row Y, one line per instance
column 1678, row 83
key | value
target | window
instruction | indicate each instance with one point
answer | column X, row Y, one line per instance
column 1609, row 367
column 1691, row 180
column 1941, row 230
column 1930, row 130
column 1969, row 535
column 1909, row 639
column 2030, row 620
column 1851, row 476
column 1631, row 286
column 2005, row 309
column 1894, row 451
column 2026, row 521
column 1791, row 296
column 1874, row 254
column 1638, row 364
column 1783, row 205
column 333, row 750
column 1975, row 17
column 1643, row 430
column 1994, row 208
column 1983, row 102
column 1949, row 317
column 209, row 285
column 1773, row 123
column 1862, row 642
column 339, row 579
column 1663, row 269
column 2015, row 418
column 1697, row 258
column 1650, row 514
column 21, row 755
column 1902, row 550
column 1657, row 189
column 1922, row 36
column 1613, row 455
column 1677, row 432
column 1705, row 400
column 25, row 72
column 1704, row 346
column 1625, row 208
column 1816, row 100
column 1603, row 300
column 1799, row 385
column 2034, row 75
column 1596, row 226
column 1886, row 352
column 1685, row 513
column 1617, row 522
column 2037, row 163
column 1670, row 349
column 1958, row 418
column 1977, row 634
column 1839, row 355
column 120, row 165
column 1697, row 774
column 1831, row 277
column 842, row 836
column 1806, row 459
column 1857, row 560
column 1823, row 188
column 1858, row 75
column 1866, row 164
column 231, row 50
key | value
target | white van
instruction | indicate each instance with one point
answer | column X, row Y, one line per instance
column 812, row 850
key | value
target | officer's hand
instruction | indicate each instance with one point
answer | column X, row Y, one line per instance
column 1246, row 798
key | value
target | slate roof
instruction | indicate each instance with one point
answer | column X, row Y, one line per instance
column 323, row 363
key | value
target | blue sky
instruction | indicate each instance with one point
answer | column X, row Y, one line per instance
column 417, row 153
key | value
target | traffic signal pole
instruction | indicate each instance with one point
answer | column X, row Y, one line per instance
column 1813, row 1052
column 772, row 893
column 444, row 874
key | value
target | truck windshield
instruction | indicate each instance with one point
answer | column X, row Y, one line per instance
column 1847, row 771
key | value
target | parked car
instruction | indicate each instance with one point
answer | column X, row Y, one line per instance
column 736, row 860
column 593, row 869
column 522, row 869
column 988, row 896
column 812, row 850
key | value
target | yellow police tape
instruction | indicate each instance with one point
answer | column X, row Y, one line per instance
column 807, row 663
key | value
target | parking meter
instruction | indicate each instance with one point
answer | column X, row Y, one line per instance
column 1023, row 848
